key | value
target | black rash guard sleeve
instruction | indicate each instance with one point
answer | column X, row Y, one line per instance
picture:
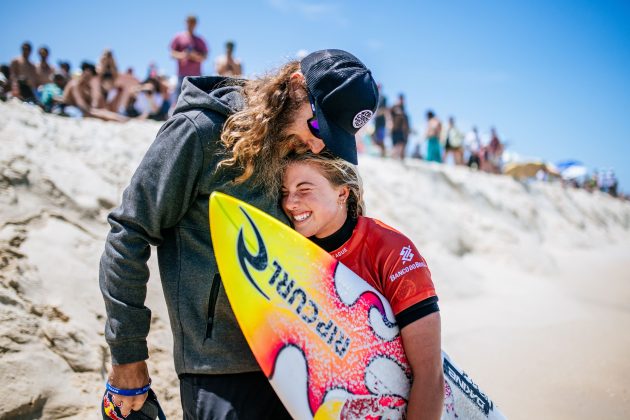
column 417, row 311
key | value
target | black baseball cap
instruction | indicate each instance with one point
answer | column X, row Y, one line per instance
column 345, row 97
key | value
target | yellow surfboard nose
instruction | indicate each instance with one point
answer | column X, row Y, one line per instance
column 329, row 410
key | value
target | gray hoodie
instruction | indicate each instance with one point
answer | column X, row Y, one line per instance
column 166, row 205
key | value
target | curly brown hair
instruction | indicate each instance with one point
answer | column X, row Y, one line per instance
column 255, row 135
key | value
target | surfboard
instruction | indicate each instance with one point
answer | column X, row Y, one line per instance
column 326, row 340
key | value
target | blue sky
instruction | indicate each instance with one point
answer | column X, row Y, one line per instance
column 553, row 77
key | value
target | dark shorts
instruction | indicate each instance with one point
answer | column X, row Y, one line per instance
column 241, row 396
column 379, row 135
column 474, row 160
column 398, row 137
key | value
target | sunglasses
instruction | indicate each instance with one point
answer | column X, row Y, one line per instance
column 313, row 124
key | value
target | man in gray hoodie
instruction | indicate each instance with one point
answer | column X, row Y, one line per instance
column 225, row 135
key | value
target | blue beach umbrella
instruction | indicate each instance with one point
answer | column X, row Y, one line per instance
column 564, row 164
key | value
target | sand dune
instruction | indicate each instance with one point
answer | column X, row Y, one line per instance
column 533, row 279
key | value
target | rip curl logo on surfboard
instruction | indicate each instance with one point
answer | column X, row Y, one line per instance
column 259, row 261
column 306, row 308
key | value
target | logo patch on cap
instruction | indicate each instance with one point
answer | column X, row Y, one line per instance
column 362, row 118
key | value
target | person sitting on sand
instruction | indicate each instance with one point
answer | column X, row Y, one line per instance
column 51, row 94
column 84, row 94
column 110, row 93
column 79, row 91
column 148, row 102
column 323, row 198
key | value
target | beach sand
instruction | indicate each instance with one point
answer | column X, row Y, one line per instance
column 533, row 279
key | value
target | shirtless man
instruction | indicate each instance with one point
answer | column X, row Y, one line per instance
column 434, row 128
column 44, row 70
column 84, row 93
column 400, row 127
column 23, row 75
column 227, row 65
column 79, row 92
column 64, row 70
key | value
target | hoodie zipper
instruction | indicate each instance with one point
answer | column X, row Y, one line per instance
column 212, row 303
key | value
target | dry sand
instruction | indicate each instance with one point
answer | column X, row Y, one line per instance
column 534, row 280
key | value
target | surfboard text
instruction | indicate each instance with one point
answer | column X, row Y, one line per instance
column 308, row 311
column 468, row 387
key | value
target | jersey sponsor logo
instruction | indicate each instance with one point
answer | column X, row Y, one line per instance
column 340, row 253
column 405, row 270
column 406, row 254
column 468, row 387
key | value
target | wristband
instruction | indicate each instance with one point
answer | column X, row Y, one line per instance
column 128, row 392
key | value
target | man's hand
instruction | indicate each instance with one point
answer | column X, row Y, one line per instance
column 129, row 376
column 196, row 56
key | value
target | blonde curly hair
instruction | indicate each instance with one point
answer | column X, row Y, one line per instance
column 338, row 172
column 254, row 136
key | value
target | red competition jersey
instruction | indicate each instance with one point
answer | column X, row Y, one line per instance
column 389, row 262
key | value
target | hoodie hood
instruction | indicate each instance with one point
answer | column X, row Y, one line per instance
column 219, row 94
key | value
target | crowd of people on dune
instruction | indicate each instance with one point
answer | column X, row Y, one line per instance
column 102, row 90
column 440, row 142
column 391, row 130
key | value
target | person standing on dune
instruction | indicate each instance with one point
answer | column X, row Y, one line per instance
column 432, row 134
column 190, row 50
column 228, row 65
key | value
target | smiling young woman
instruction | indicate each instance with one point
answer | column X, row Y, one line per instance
column 323, row 198
column 314, row 205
